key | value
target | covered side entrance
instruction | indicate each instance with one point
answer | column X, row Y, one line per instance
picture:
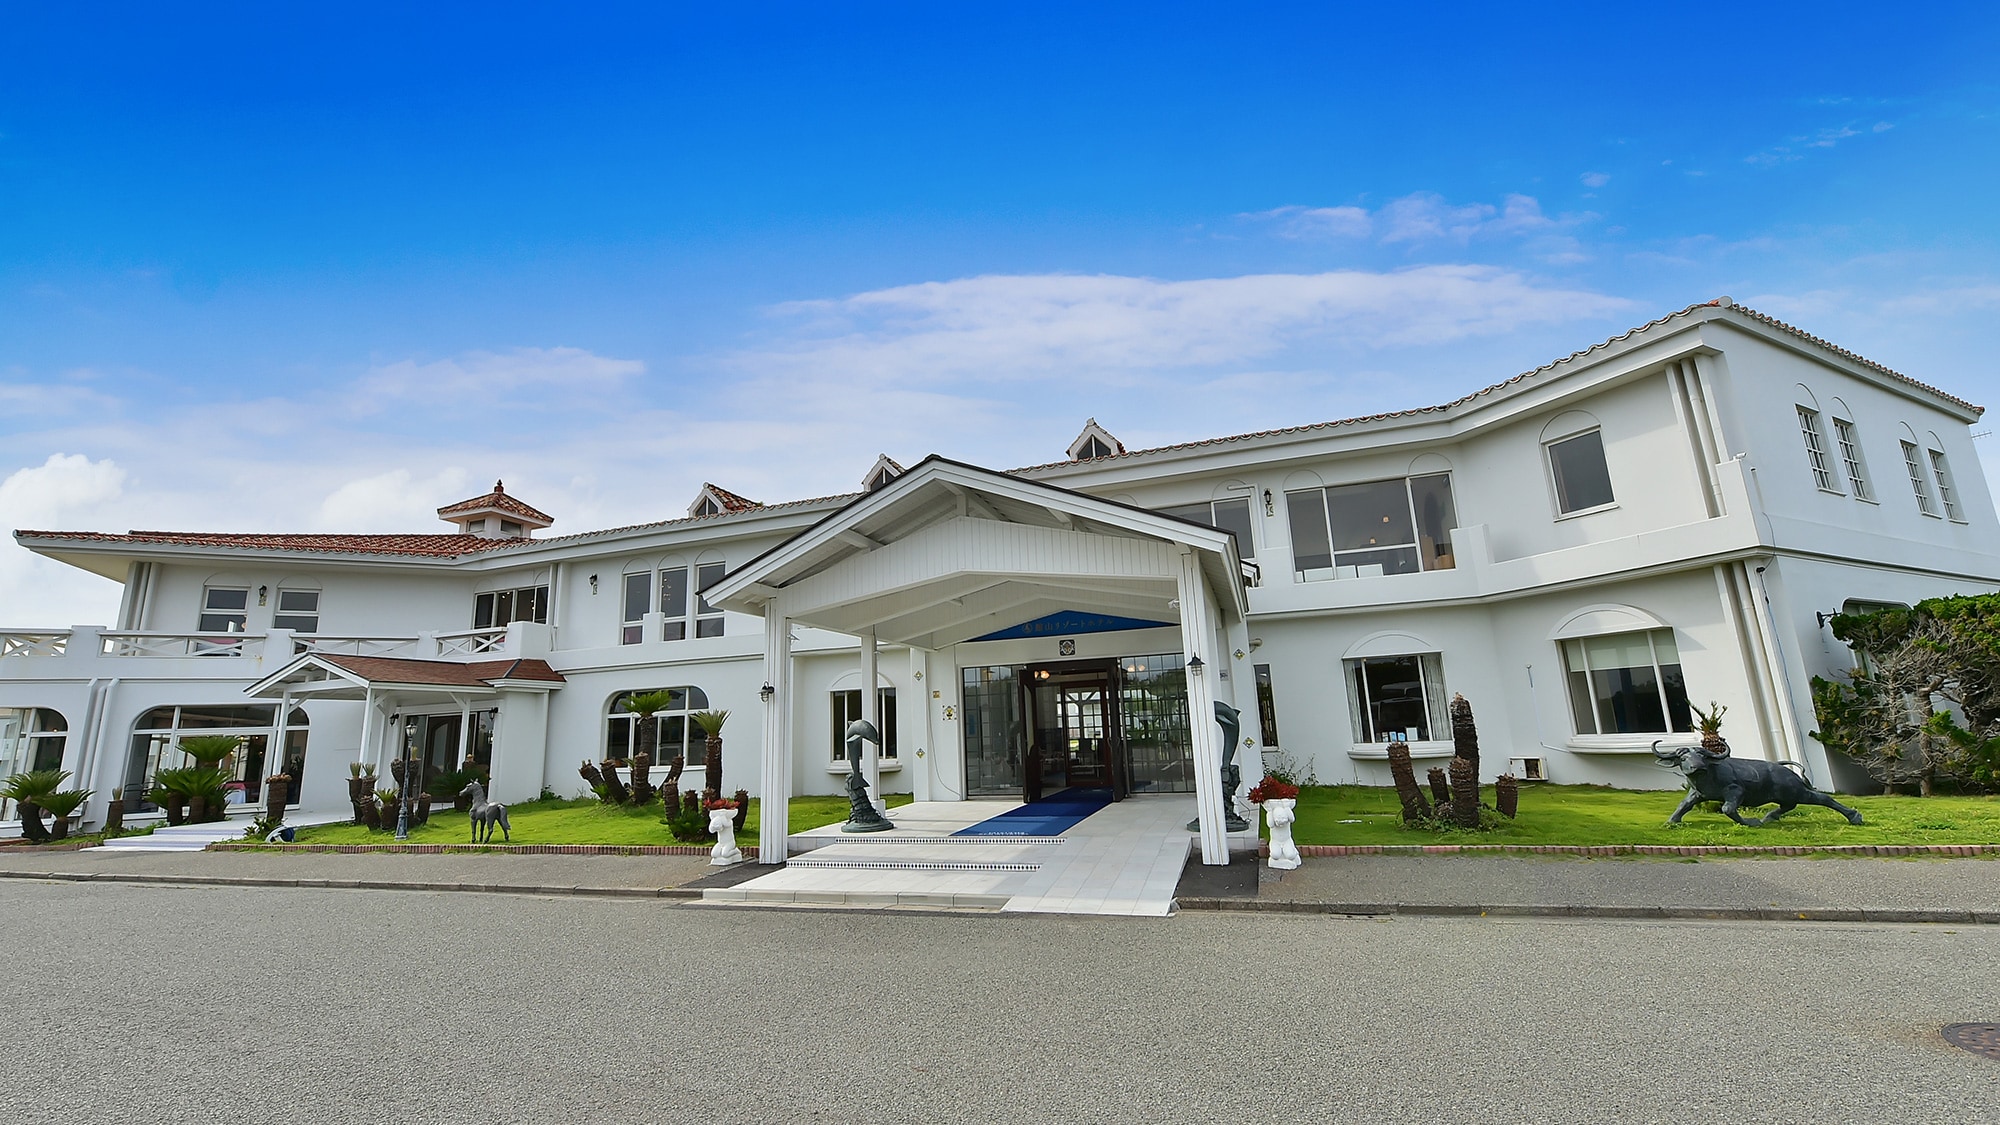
column 949, row 554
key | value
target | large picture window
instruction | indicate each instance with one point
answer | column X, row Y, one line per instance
column 1627, row 683
column 1397, row 698
column 847, row 708
column 677, row 736
column 1582, row 479
column 157, row 734
column 672, row 588
column 31, row 738
column 1397, row 526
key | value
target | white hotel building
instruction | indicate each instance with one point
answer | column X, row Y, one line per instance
column 1581, row 550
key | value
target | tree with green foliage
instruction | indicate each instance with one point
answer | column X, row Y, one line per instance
column 1921, row 708
column 710, row 723
column 30, row 792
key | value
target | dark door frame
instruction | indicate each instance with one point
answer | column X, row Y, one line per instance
column 1107, row 672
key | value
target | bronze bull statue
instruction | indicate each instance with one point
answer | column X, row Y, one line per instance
column 1737, row 782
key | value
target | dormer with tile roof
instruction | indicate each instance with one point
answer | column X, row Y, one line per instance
column 1095, row 441
column 714, row 500
column 495, row 515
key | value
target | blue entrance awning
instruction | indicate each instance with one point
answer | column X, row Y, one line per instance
column 1069, row 623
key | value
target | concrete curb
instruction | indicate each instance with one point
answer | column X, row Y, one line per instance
column 1601, row 850
column 476, row 849
column 348, row 884
column 1653, row 913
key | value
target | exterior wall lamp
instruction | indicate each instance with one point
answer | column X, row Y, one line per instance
column 593, row 585
column 764, row 693
column 263, row 594
column 1195, row 665
column 1270, row 509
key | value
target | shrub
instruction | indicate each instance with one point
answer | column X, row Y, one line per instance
column 689, row 822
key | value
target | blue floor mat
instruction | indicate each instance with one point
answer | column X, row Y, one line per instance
column 1051, row 816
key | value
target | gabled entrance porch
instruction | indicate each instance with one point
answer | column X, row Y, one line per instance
column 949, row 554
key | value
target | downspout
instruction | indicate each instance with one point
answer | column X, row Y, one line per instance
column 1781, row 684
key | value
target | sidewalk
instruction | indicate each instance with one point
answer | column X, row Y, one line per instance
column 1896, row 890
column 1963, row 891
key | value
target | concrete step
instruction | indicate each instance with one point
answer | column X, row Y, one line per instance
column 180, row 838
column 810, row 843
column 893, row 856
column 985, row 890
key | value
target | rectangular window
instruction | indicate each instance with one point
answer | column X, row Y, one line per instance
column 674, row 603
column 1232, row 516
column 1822, row 470
column 298, row 610
column 1945, row 494
column 499, row 608
column 1267, row 706
column 1850, row 455
column 847, row 708
column 1397, row 698
column 1627, row 683
column 1397, row 526
column 224, row 609
column 1919, row 483
column 1583, row 480
column 707, row 618
column 638, row 602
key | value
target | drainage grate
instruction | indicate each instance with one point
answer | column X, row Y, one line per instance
column 1979, row 1038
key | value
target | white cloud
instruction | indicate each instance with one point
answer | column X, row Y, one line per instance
column 64, row 486
column 1423, row 217
column 1012, row 327
column 476, row 374
column 65, row 489
column 393, row 501
column 1595, row 179
column 1318, row 222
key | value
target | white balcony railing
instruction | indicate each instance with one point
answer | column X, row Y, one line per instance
column 358, row 646
column 472, row 642
column 34, row 644
column 130, row 643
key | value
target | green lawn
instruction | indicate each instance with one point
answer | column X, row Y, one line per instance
column 582, row 822
column 1589, row 815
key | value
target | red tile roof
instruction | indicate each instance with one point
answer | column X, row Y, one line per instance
column 730, row 501
column 497, row 501
column 445, row 673
column 451, row 545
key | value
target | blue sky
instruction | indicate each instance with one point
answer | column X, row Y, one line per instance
column 330, row 270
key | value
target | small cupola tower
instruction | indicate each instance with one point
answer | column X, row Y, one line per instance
column 495, row 515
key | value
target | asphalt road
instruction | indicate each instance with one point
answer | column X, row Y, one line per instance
column 135, row 1003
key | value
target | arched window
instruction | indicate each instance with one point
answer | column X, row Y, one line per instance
column 31, row 738
column 157, row 734
column 678, row 737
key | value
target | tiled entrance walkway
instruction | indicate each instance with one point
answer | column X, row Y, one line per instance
column 1125, row 859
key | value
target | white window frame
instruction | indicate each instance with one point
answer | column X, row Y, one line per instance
column 283, row 615
column 1555, row 476
column 538, row 597
column 240, row 618
column 1204, row 513
column 707, row 619
column 1430, row 667
column 1942, row 471
column 1619, row 738
column 1850, row 454
column 1424, row 565
column 1919, row 480
column 885, row 710
column 1815, row 439
column 690, row 739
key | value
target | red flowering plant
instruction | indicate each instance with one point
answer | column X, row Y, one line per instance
column 723, row 803
column 1273, row 789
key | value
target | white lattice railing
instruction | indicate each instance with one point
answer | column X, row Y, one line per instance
column 356, row 646
column 182, row 644
column 472, row 642
column 34, row 644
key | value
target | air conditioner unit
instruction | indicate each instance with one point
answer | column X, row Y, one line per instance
column 1528, row 769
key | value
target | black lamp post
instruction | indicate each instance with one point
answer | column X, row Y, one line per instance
column 403, row 802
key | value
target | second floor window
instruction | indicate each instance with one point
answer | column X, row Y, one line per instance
column 1582, row 479
column 496, row 609
column 1232, row 516
column 1850, row 455
column 298, row 610
column 1919, row 483
column 1943, row 474
column 1401, row 526
column 1822, row 468
column 224, row 609
column 674, row 592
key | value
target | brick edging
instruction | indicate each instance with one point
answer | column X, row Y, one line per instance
column 1335, row 850
column 462, row 849
column 349, row 884
column 1648, row 913
column 52, row 846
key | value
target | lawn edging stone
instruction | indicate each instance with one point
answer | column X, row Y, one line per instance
column 749, row 851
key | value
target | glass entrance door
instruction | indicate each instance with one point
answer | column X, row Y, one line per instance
column 1076, row 742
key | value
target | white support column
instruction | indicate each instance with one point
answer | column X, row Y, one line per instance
column 365, row 752
column 774, row 820
column 1197, row 640
column 464, row 729
column 913, row 715
column 274, row 756
column 871, row 712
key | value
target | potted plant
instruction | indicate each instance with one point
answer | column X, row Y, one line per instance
column 114, row 814
column 61, row 805
column 30, row 791
column 722, row 822
column 710, row 723
column 1279, row 799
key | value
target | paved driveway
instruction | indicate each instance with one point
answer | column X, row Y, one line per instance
column 135, row 1002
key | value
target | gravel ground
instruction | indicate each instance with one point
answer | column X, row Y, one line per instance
column 133, row 1002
